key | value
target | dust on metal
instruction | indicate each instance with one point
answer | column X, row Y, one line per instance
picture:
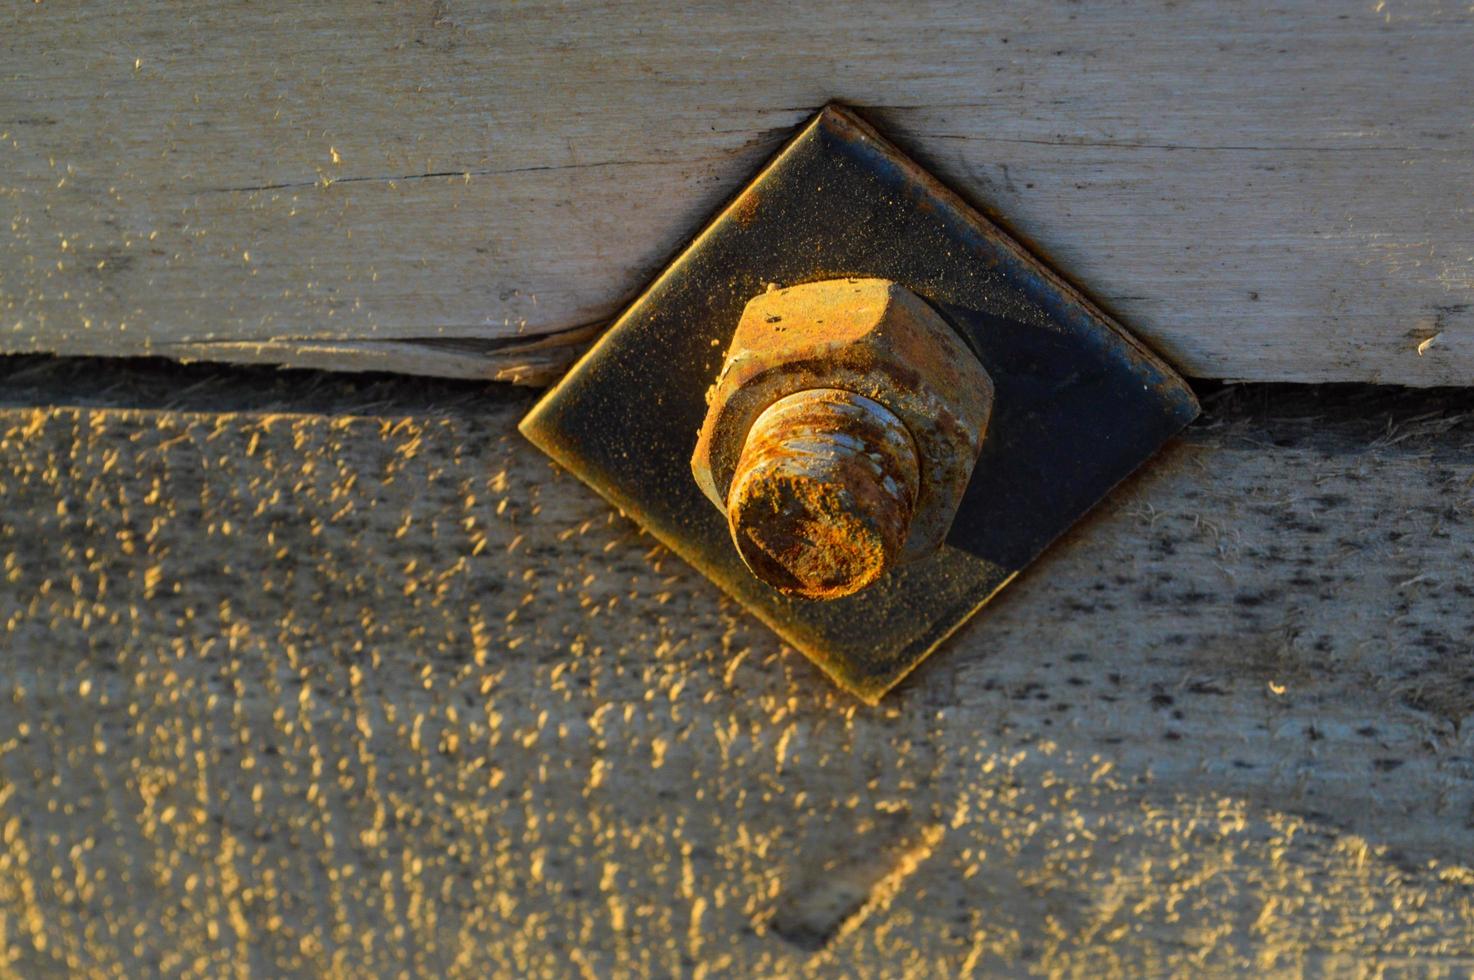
column 1079, row 404
column 824, row 492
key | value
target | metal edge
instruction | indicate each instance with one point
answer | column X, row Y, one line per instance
column 529, row 426
column 848, row 124
column 872, row 694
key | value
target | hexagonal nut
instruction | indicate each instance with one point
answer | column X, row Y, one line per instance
column 874, row 338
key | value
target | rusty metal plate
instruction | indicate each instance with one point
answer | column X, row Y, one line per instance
column 1079, row 402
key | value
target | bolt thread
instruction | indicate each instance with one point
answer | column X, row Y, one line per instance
column 823, row 494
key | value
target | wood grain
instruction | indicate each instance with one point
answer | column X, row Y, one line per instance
column 297, row 692
column 1276, row 191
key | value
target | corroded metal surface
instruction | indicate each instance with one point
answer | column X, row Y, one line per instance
column 1079, row 403
column 824, row 493
column 866, row 335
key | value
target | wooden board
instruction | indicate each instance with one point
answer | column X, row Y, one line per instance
column 291, row 692
column 1276, row 191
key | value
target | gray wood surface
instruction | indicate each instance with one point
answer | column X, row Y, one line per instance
column 382, row 689
column 1266, row 190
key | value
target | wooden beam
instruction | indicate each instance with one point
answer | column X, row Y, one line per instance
column 1274, row 191
column 379, row 692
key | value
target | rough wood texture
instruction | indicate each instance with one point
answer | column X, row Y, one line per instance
column 294, row 692
column 1263, row 190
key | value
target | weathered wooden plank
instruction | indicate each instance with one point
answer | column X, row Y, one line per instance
column 309, row 692
column 1274, row 191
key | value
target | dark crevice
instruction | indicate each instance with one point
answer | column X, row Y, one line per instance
column 478, row 346
column 1336, row 418
column 156, row 383
column 1327, row 417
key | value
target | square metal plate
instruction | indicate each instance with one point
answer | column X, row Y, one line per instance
column 1079, row 403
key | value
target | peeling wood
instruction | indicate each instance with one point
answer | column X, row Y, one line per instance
column 535, row 362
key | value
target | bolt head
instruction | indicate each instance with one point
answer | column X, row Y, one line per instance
column 871, row 337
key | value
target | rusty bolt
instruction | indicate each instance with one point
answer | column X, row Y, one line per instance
column 841, row 433
column 822, row 499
